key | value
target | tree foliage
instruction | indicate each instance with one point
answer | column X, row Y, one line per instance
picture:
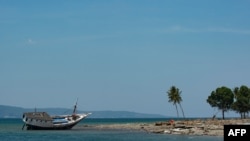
column 242, row 100
column 222, row 98
column 174, row 96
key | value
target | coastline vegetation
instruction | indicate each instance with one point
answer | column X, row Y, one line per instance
column 222, row 98
column 174, row 96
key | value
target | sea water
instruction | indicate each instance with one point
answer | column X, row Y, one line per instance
column 11, row 130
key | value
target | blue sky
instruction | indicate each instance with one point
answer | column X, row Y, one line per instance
column 122, row 54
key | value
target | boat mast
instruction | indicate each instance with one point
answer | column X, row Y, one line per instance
column 74, row 111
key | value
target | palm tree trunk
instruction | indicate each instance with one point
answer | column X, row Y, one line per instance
column 182, row 110
column 176, row 110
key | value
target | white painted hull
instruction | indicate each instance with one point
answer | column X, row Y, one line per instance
column 57, row 123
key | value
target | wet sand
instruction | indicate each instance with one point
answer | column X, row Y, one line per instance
column 186, row 127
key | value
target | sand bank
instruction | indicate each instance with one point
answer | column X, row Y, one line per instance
column 186, row 127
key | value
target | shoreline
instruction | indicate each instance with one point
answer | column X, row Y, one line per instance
column 208, row 127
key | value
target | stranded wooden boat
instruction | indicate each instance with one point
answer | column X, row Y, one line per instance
column 43, row 121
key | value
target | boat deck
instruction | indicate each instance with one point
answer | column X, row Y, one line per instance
column 38, row 116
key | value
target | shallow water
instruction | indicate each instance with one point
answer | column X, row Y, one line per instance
column 11, row 130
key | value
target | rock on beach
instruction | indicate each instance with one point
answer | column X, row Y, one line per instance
column 210, row 127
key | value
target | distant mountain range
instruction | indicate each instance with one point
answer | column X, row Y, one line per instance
column 16, row 112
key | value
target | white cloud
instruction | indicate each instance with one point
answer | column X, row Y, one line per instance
column 31, row 41
column 178, row 28
column 229, row 30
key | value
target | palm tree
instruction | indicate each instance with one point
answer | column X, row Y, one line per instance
column 174, row 96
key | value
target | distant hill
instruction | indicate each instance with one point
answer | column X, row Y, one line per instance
column 16, row 112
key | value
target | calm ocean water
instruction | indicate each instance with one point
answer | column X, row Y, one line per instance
column 11, row 130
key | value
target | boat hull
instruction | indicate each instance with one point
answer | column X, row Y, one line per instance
column 42, row 121
column 62, row 127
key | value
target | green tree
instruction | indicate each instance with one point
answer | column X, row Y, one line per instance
column 242, row 100
column 222, row 98
column 174, row 96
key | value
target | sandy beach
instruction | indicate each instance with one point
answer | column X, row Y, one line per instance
column 186, row 127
